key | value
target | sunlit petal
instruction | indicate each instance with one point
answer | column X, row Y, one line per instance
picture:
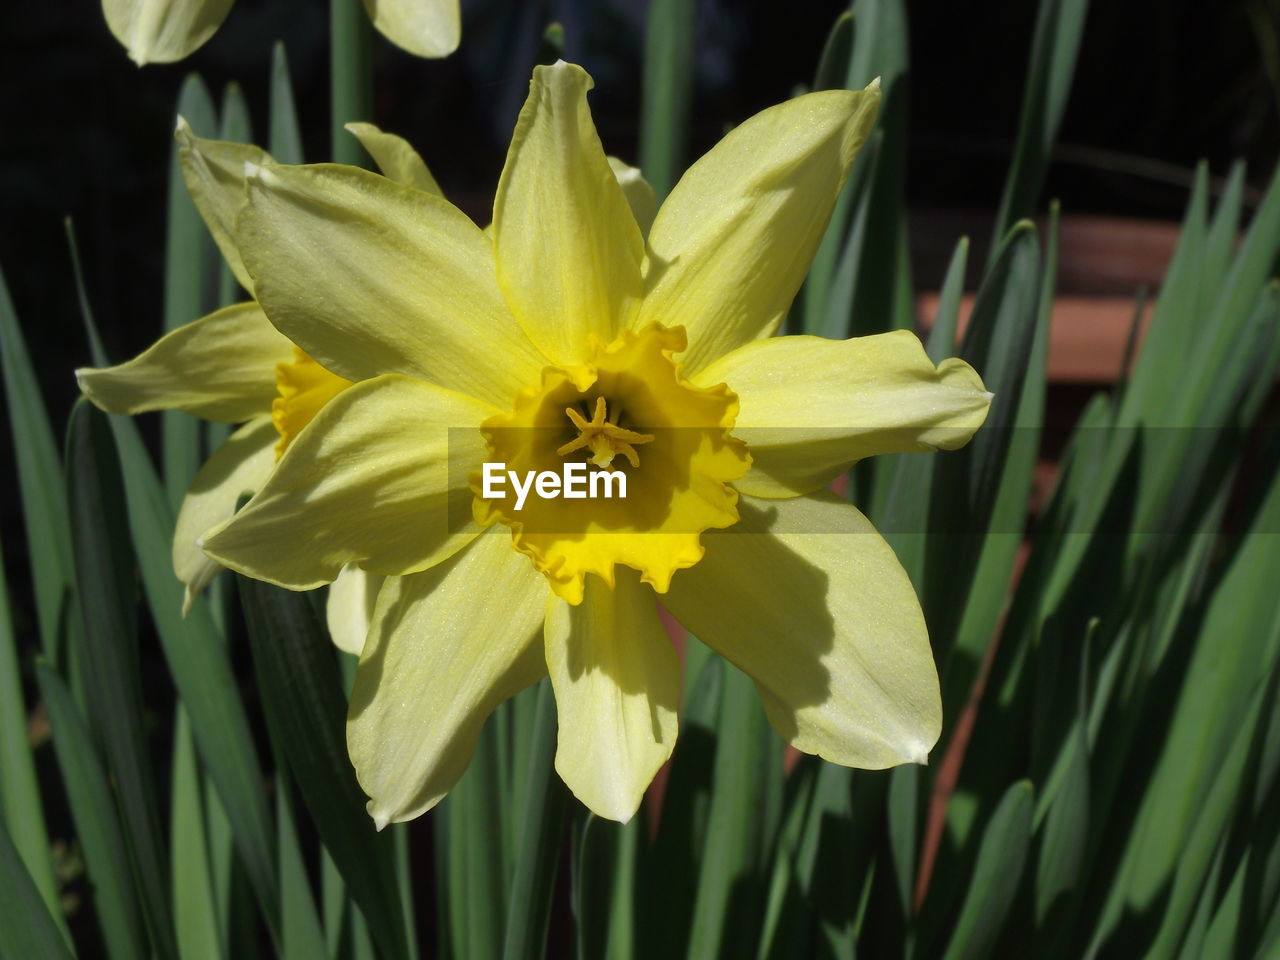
column 617, row 685
column 369, row 277
column 446, row 647
column 220, row 367
column 810, row 407
column 379, row 478
column 732, row 243
column 567, row 246
column 806, row 598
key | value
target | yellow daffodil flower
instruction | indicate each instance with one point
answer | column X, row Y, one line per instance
column 571, row 337
column 165, row 31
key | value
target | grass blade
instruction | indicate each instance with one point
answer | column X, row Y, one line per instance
column 197, row 660
column 538, row 843
column 26, row 929
column 747, row 764
column 285, row 140
column 667, row 92
column 104, row 574
column 996, row 876
column 19, row 794
column 1059, row 26
column 196, row 916
column 39, row 481
column 97, row 827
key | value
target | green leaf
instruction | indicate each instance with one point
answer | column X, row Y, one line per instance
column 667, row 92
column 93, row 812
column 196, row 918
column 302, row 933
column 39, row 481
column 672, row 876
column 19, row 794
column 26, row 929
column 477, row 880
column 350, row 77
column 542, row 807
column 1054, row 48
column 996, row 876
column 980, row 491
column 285, row 140
column 104, row 576
column 748, row 762
column 301, row 691
column 190, row 288
column 901, row 512
column 198, row 662
column 833, row 65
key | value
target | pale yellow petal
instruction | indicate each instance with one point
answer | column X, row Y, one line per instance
column 349, row 607
column 806, row 598
column 220, row 367
column 567, row 247
column 617, row 684
column 214, row 174
column 445, row 648
column 237, row 468
column 395, row 157
column 425, row 28
column 371, row 277
column 163, row 31
column 732, row 243
column 810, row 407
column 379, row 478
column 640, row 196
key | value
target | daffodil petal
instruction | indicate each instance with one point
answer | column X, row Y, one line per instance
column 567, row 246
column 369, row 277
column 379, row 478
column 425, row 28
column 237, row 468
column 396, row 159
column 349, row 607
column 638, row 191
column 809, row 408
column 220, row 367
column 214, row 173
column 807, row 598
column 617, row 685
column 732, row 243
column 163, row 31
column 445, row 648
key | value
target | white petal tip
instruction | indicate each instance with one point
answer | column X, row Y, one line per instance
column 988, row 395
column 874, row 85
column 200, row 543
column 380, row 821
column 919, row 754
column 252, row 171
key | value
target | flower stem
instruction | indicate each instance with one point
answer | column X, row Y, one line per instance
column 538, row 853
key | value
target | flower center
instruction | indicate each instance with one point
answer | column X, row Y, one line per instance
column 629, row 394
column 303, row 387
column 604, row 438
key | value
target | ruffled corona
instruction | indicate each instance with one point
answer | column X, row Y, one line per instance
column 626, row 409
column 304, row 387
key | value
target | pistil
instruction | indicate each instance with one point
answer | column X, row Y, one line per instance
column 602, row 435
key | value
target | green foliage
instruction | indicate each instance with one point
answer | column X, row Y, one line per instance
column 1116, row 792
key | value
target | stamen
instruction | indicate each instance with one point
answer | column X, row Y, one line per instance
column 603, row 435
